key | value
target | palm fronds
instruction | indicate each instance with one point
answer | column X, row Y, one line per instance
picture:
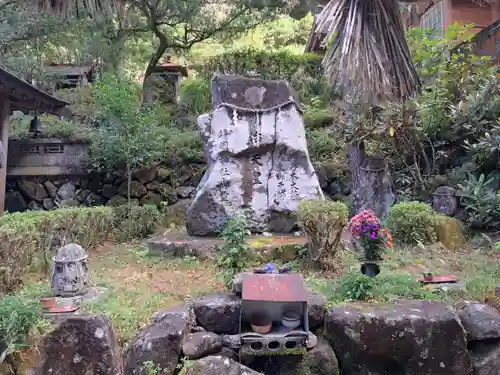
column 367, row 55
column 70, row 8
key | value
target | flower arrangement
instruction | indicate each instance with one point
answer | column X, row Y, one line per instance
column 366, row 228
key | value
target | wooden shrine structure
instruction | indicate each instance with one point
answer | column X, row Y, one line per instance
column 18, row 95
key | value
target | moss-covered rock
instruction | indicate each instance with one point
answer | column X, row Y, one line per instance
column 450, row 232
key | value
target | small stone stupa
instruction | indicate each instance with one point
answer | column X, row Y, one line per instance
column 256, row 151
column 69, row 272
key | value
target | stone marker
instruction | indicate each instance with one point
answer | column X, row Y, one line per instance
column 256, row 151
column 410, row 337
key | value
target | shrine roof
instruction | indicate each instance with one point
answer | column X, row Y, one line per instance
column 25, row 97
column 171, row 67
column 274, row 288
column 67, row 69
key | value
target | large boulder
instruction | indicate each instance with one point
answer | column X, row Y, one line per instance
column 81, row 345
column 217, row 365
column 481, row 322
column 160, row 343
column 33, row 190
column 219, row 313
column 410, row 337
column 486, row 357
column 256, row 152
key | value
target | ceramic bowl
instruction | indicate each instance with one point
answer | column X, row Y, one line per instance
column 291, row 320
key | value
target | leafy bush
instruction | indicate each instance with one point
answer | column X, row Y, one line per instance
column 26, row 235
column 234, row 255
column 50, row 126
column 481, row 201
column 385, row 287
column 354, row 286
column 412, row 222
column 302, row 71
column 323, row 146
column 135, row 223
column 323, row 222
column 17, row 320
column 195, row 96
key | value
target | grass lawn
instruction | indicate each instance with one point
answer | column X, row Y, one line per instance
column 139, row 285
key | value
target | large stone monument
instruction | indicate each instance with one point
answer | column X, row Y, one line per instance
column 256, row 151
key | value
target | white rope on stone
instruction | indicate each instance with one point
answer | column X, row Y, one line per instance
column 235, row 108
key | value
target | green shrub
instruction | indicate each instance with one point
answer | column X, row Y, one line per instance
column 481, row 201
column 26, row 235
column 137, row 223
column 195, row 96
column 323, row 222
column 303, row 71
column 412, row 222
column 51, row 127
column 323, row 146
column 385, row 287
column 17, row 319
column 234, row 256
column 317, row 118
column 354, row 286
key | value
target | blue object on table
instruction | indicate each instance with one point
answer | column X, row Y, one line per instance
column 269, row 268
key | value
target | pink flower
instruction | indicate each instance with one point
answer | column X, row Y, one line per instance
column 365, row 218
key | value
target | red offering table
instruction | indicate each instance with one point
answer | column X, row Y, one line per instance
column 439, row 279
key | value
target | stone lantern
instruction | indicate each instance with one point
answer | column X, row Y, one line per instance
column 163, row 84
column 69, row 272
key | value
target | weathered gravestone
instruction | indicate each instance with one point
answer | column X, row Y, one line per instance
column 256, row 151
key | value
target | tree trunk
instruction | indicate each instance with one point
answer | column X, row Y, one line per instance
column 371, row 185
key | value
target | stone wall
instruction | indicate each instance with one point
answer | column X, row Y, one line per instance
column 148, row 186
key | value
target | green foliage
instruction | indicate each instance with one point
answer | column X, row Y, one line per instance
column 481, row 201
column 324, row 146
column 26, row 236
column 317, row 118
column 50, row 126
column 412, row 222
column 130, row 135
column 385, row 287
column 195, row 96
column 31, row 234
column 151, row 368
column 234, row 256
column 17, row 319
column 134, row 136
column 302, row 71
column 135, row 223
column 356, row 287
column 323, row 222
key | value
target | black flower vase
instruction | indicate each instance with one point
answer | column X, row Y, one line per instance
column 370, row 268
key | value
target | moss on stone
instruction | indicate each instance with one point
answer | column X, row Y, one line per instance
column 450, row 232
